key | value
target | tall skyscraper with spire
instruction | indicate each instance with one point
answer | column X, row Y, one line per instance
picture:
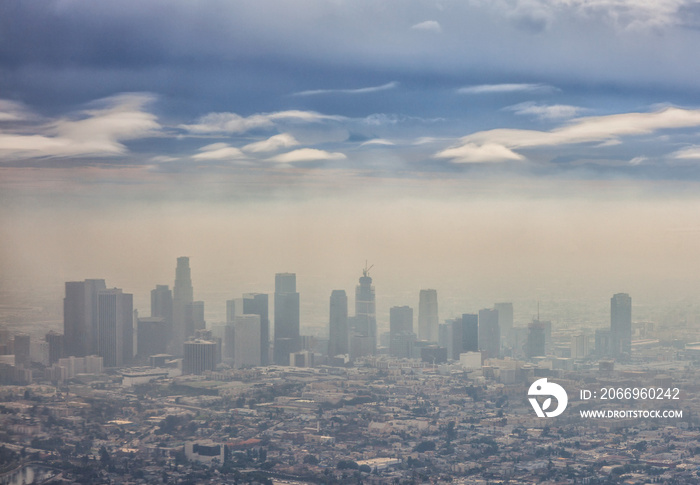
column 428, row 315
column 287, row 338
column 621, row 325
column 364, row 340
column 182, row 304
column 338, row 324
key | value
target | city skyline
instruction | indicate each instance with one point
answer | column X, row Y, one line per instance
column 323, row 144
column 343, row 242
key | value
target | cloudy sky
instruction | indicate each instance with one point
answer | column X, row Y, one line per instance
column 489, row 148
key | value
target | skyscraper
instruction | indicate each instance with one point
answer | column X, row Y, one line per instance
column 22, row 347
column 198, row 322
column 162, row 303
column 365, row 321
column 153, row 333
column 428, row 315
column 247, row 339
column 80, row 317
column 257, row 304
column 287, row 339
column 489, row 333
column 535, row 346
column 56, row 346
column 199, row 356
column 230, row 310
column 400, row 319
column 470, row 332
column 182, row 300
column 162, row 307
column 621, row 325
column 115, row 327
column 338, row 324
column 505, row 319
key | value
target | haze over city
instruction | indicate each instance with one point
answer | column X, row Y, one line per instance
column 318, row 172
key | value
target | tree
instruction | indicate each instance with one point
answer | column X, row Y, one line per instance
column 310, row 460
column 425, row 446
column 105, row 458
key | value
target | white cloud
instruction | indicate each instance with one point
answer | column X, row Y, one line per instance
column 582, row 130
column 546, row 112
column 283, row 140
column 473, row 153
column 623, row 14
column 504, row 88
column 377, row 141
column 96, row 132
column 218, row 151
column 370, row 89
column 163, row 159
column 307, row 155
column 428, row 26
column 689, row 153
column 12, row 111
column 234, row 123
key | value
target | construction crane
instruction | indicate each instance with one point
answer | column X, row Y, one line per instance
column 365, row 272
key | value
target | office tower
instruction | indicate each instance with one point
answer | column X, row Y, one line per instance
column 505, row 319
column 400, row 319
column 402, row 344
column 287, row 339
column 304, row 358
column 401, row 336
column 153, row 334
column 489, row 333
column 198, row 356
column 22, row 348
column 470, row 332
column 162, row 303
column 455, row 343
column 115, row 327
column 182, row 308
column 603, row 342
column 364, row 328
column 80, row 317
column 535, row 339
column 56, row 346
column 428, row 315
column 621, row 325
column 198, row 321
column 206, row 334
column 162, row 307
column 229, row 343
column 548, row 350
column 579, row 346
column 445, row 336
column 183, row 281
column 257, row 304
column 247, row 332
column 230, row 310
column 433, row 354
column 338, row 324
